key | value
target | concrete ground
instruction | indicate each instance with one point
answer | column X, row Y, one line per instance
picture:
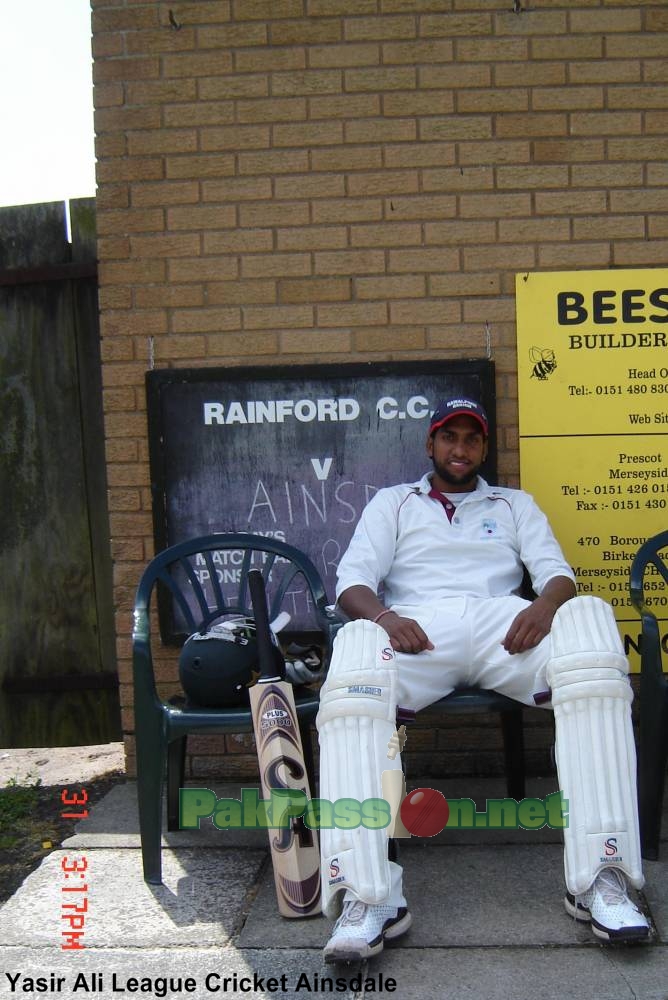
column 488, row 920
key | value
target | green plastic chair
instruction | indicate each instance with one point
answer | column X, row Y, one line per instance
column 190, row 598
column 653, row 700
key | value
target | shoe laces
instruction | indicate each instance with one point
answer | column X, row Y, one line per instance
column 354, row 911
column 612, row 887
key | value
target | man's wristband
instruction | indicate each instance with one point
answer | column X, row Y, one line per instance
column 385, row 611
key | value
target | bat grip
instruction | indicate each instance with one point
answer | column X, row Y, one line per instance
column 262, row 630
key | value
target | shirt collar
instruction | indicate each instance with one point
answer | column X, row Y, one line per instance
column 481, row 490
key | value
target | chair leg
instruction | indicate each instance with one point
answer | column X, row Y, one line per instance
column 513, row 746
column 176, row 766
column 151, row 753
column 653, row 758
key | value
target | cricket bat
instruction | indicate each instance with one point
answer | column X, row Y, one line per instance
column 294, row 847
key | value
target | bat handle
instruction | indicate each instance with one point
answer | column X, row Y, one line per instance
column 262, row 629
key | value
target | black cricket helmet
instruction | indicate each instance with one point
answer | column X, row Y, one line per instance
column 218, row 666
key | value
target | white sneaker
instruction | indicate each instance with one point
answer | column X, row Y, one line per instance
column 607, row 907
column 361, row 929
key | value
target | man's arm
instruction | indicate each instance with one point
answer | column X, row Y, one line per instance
column 406, row 636
column 534, row 623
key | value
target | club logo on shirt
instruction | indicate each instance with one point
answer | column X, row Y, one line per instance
column 489, row 526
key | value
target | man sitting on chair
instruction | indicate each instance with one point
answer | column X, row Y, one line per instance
column 449, row 552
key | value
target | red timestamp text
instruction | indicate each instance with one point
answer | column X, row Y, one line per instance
column 74, row 904
column 74, row 799
column 74, row 870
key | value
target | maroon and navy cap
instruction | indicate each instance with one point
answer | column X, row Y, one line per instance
column 457, row 407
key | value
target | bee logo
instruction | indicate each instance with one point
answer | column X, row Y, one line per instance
column 544, row 362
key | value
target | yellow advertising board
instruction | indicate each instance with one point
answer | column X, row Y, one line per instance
column 592, row 358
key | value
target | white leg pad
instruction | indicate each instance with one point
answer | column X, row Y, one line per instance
column 595, row 746
column 356, row 720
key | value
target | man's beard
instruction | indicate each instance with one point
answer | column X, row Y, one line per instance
column 456, row 480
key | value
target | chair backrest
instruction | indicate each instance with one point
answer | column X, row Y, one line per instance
column 652, row 553
column 203, row 579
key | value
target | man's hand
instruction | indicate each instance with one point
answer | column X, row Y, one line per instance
column 530, row 626
column 406, row 636
column 534, row 622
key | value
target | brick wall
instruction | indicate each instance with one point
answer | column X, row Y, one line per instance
column 329, row 180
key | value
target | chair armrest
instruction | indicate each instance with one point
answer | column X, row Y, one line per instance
column 141, row 625
column 331, row 622
column 636, row 593
column 142, row 659
column 651, row 667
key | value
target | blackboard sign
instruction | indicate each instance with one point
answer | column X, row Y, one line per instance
column 294, row 453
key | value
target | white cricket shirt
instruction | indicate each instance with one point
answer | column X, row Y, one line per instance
column 405, row 541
